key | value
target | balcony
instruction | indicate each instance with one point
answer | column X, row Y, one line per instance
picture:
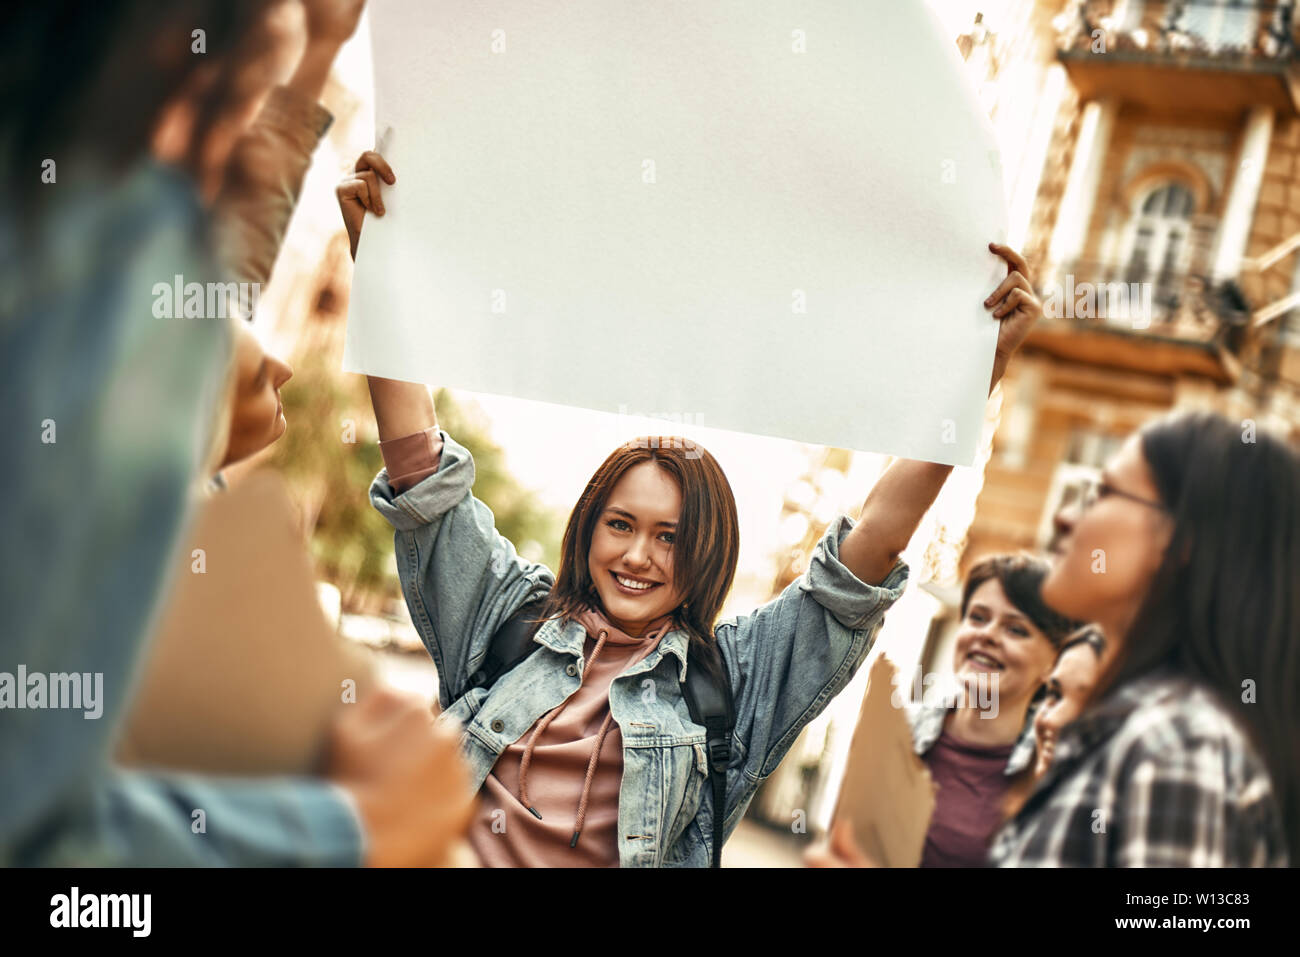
column 1166, row 322
column 1219, row 56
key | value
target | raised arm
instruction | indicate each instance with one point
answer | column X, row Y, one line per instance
column 264, row 176
column 893, row 510
column 401, row 408
column 461, row 578
column 789, row 658
column 904, row 493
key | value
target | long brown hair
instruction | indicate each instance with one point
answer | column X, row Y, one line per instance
column 83, row 75
column 1224, row 607
column 705, row 550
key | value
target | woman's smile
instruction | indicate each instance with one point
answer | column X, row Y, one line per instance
column 632, row 585
column 982, row 659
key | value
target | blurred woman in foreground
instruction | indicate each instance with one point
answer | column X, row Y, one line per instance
column 1187, row 556
column 116, row 404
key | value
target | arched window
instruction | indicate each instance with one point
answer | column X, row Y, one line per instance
column 1157, row 244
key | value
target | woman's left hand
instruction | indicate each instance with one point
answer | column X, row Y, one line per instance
column 1015, row 305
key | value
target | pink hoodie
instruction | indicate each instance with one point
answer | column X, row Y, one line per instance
column 551, row 800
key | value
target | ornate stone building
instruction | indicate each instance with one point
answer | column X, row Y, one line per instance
column 1165, row 229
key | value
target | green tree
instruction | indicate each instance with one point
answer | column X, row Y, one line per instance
column 329, row 455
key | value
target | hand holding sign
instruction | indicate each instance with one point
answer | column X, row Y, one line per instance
column 360, row 193
column 1015, row 304
column 672, row 200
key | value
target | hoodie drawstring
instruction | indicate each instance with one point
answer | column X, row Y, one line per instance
column 591, row 764
column 586, row 784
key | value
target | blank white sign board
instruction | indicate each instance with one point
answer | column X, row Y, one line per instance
column 767, row 217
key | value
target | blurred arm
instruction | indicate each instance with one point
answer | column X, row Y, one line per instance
column 263, row 180
column 135, row 819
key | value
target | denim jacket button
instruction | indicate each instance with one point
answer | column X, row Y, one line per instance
column 498, row 725
column 571, row 669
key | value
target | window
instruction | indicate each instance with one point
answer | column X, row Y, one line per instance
column 1092, row 448
column 1157, row 246
column 1128, row 15
column 1221, row 24
column 1290, row 328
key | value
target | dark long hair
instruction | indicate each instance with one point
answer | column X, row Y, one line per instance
column 706, row 548
column 1224, row 607
column 92, row 77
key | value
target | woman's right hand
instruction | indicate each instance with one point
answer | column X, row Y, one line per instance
column 839, row 848
column 360, row 192
column 406, row 775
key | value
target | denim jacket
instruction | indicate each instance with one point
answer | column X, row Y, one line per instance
column 93, row 522
column 927, row 720
column 787, row 660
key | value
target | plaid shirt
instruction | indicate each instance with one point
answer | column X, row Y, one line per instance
column 1159, row 774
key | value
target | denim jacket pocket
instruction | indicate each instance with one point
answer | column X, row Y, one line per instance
column 688, row 773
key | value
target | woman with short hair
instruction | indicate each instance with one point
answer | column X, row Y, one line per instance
column 976, row 743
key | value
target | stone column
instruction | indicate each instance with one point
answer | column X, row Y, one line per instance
column 1071, row 232
column 1239, row 211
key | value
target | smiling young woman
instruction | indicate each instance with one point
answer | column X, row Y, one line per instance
column 977, row 745
column 622, row 550
column 586, row 753
column 1078, row 668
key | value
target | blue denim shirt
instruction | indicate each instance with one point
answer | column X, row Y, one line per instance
column 92, row 524
column 787, row 660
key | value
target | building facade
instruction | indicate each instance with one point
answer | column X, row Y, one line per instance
column 1151, row 150
column 1165, row 234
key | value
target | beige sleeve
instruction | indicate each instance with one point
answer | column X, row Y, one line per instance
column 263, row 179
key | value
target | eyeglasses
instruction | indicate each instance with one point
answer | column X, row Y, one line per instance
column 1088, row 491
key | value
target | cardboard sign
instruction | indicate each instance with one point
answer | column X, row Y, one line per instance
column 244, row 674
column 772, row 218
column 887, row 792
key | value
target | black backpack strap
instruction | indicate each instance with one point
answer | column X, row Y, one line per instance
column 512, row 643
column 710, row 704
